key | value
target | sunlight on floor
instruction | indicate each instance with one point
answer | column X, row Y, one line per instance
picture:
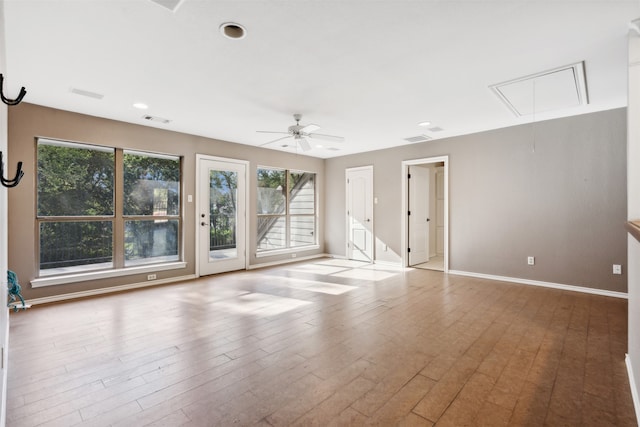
column 259, row 304
column 314, row 285
column 349, row 269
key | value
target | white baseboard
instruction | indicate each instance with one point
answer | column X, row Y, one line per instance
column 94, row 292
column 634, row 388
column 397, row 264
column 563, row 287
column 286, row 261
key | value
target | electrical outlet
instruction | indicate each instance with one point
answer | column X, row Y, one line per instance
column 293, row 255
column 617, row 269
column 531, row 260
column 151, row 277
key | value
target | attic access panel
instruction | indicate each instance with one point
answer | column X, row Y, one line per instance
column 172, row 5
column 556, row 89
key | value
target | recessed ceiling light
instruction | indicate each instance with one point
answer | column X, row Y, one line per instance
column 140, row 106
column 425, row 124
column 232, row 30
column 319, row 145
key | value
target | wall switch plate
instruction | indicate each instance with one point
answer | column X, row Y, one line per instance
column 531, row 260
column 617, row 269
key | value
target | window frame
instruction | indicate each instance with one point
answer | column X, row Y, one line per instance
column 287, row 215
column 118, row 219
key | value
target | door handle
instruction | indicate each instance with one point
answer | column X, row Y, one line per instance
column 428, row 220
column 203, row 223
column 368, row 220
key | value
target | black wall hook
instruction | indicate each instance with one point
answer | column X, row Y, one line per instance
column 8, row 101
column 9, row 183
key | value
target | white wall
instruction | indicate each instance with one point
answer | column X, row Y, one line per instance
column 4, row 313
column 633, row 213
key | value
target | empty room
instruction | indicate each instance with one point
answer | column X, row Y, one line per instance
column 320, row 213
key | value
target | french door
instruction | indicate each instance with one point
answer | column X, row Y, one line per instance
column 221, row 205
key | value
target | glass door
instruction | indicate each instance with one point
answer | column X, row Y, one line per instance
column 221, row 216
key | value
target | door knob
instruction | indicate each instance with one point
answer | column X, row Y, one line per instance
column 368, row 220
column 203, row 223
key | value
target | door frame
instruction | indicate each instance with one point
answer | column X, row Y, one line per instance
column 247, row 206
column 346, row 207
column 405, row 206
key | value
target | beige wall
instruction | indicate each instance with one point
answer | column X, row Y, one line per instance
column 26, row 122
column 555, row 190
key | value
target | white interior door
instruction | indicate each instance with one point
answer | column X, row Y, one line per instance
column 221, row 215
column 360, row 213
column 418, row 215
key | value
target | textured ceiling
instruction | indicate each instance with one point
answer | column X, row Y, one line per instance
column 365, row 70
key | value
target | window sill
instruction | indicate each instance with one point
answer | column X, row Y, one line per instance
column 104, row 274
column 274, row 252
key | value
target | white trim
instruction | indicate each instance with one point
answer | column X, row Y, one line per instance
column 561, row 286
column 405, row 202
column 274, row 252
column 103, row 274
column 94, row 292
column 286, row 261
column 634, row 387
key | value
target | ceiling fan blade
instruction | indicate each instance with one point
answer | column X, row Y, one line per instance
column 310, row 128
column 304, row 144
column 272, row 131
column 275, row 140
column 327, row 137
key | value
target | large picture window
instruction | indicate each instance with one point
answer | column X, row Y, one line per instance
column 286, row 209
column 86, row 222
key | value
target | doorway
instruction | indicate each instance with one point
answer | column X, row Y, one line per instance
column 221, row 206
column 425, row 213
column 359, row 193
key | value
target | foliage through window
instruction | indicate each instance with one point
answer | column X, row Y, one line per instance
column 151, row 208
column 286, row 208
column 79, row 208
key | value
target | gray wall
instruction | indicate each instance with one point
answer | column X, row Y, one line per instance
column 555, row 190
column 27, row 121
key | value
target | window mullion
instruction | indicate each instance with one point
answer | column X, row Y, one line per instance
column 118, row 221
column 287, row 211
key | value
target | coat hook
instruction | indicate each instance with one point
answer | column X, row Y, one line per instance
column 7, row 101
column 9, row 183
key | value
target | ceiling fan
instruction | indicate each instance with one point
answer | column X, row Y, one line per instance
column 300, row 133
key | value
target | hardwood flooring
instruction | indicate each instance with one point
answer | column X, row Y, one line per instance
column 323, row 343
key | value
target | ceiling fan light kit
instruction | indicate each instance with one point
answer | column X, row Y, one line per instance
column 300, row 133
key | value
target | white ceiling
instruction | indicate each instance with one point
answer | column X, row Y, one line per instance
column 366, row 70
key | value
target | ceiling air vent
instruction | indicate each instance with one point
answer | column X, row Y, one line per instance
column 419, row 138
column 556, row 89
column 156, row 119
column 172, row 5
column 86, row 93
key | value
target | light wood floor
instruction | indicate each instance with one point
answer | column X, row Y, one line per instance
column 323, row 343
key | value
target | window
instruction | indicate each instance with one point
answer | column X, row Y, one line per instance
column 286, row 209
column 151, row 208
column 80, row 209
